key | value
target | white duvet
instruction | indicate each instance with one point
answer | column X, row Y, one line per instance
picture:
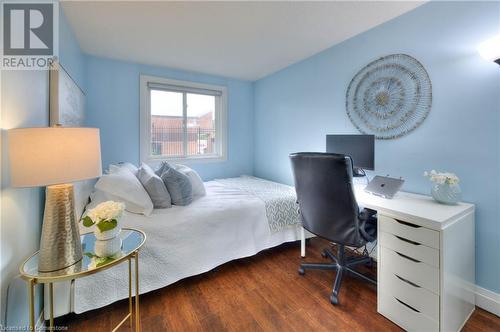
column 224, row 225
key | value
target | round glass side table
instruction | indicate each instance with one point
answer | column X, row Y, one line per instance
column 132, row 241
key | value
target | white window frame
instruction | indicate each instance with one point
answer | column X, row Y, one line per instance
column 145, row 121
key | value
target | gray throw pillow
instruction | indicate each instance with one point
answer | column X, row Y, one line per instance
column 179, row 186
column 155, row 187
column 164, row 166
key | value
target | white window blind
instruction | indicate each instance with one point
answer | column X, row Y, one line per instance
column 180, row 88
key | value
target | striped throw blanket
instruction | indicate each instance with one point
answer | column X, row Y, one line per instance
column 280, row 200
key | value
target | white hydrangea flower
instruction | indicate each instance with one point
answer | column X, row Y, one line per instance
column 442, row 178
column 107, row 211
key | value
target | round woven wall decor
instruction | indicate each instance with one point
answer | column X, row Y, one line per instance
column 389, row 97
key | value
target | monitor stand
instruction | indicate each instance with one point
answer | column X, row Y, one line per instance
column 358, row 172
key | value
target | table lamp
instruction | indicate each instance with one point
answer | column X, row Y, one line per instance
column 53, row 157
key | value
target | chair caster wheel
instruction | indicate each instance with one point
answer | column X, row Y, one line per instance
column 323, row 254
column 334, row 299
column 301, row 271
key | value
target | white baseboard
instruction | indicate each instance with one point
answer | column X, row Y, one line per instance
column 488, row 300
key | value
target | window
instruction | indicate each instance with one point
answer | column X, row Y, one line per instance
column 182, row 120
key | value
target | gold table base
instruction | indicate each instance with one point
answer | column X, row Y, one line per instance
column 130, row 316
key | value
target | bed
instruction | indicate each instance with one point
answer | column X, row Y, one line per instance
column 237, row 218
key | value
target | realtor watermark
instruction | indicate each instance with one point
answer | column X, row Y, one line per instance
column 29, row 34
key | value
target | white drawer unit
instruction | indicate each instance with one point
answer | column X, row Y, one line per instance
column 406, row 267
column 414, row 251
column 412, row 232
column 404, row 315
column 422, row 285
column 417, row 297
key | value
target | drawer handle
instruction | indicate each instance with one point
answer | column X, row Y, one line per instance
column 407, row 281
column 408, row 224
column 406, row 240
column 406, row 305
column 409, row 258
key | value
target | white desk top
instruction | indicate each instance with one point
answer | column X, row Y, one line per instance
column 419, row 209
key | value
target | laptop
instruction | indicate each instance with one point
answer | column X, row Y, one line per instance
column 384, row 186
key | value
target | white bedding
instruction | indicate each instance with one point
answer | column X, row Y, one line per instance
column 224, row 225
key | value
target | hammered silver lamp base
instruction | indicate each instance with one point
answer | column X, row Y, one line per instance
column 60, row 244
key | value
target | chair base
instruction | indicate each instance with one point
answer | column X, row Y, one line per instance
column 341, row 265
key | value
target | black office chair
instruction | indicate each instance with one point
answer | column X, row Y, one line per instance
column 328, row 208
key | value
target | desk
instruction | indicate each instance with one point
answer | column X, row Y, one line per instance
column 425, row 260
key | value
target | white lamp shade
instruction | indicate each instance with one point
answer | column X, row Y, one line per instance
column 490, row 49
column 46, row 156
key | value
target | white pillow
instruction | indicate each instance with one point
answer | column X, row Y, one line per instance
column 99, row 196
column 194, row 178
column 113, row 168
column 124, row 186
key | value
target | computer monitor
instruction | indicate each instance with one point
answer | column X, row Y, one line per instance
column 361, row 148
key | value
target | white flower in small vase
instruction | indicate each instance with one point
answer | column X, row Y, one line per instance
column 445, row 189
column 106, row 218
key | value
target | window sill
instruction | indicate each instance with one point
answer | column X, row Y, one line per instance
column 187, row 160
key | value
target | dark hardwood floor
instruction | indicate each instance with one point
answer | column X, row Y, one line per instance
column 259, row 293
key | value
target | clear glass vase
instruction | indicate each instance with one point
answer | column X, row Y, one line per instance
column 107, row 248
column 446, row 193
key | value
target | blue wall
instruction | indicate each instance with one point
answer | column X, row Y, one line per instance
column 296, row 107
column 70, row 55
column 25, row 103
column 113, row 106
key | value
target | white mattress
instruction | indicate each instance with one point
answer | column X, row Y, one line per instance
column 224, row 225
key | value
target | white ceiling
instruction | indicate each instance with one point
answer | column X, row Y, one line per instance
column 245, row 40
